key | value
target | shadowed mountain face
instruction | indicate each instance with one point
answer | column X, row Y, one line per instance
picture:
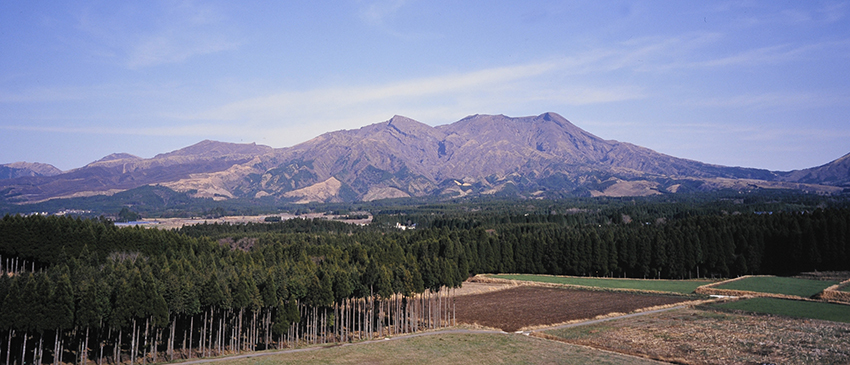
column 543, row 155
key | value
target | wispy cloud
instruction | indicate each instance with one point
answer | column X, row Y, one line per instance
column 571, row 80
column 385, row 16
column 833, row 12
column 170, row 46
column 182, row 30
column 760, row 56
column 773, row 100
column 377, row 11
column 515, row 84
column 699, row 51
column 170, row 130
column 826, row 13
column 42, row 94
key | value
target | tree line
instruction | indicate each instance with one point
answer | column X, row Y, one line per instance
column 99, row 293
column 77, row 290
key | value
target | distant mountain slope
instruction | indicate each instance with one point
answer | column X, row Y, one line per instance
column 19, row 169
column 478, row 154
column 542, row 155
column 119, row 172
column 551, row 139
column 834, row 173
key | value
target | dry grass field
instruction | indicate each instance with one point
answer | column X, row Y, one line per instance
column 695, row 336
column 451, row 348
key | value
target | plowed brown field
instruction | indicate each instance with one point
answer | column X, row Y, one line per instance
column 528, row 306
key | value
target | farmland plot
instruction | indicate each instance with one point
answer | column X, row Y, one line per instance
column 694, row 336
column 793, row 308
column 673, row 286
column 778, row 285
column 528, row 306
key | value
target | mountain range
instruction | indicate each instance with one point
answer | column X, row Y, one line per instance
column 537, row 156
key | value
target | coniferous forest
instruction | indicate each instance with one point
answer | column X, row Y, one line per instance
column 86, row 291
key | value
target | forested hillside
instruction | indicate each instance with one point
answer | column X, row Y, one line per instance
column 92, row 292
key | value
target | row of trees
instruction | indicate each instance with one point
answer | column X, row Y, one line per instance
column 137, row 295
column 93, row 292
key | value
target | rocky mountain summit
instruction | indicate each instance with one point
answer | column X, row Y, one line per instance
column 535, row 156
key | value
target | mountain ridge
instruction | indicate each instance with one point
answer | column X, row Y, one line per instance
column 21, row 169
column 543, row 155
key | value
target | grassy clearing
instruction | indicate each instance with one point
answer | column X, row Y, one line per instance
column 793, row 308
column 778, row 285
column 672, row 286
column 845, row 288
column 451, row 349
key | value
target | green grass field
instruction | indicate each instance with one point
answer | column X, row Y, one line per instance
column 778, row 285
column 792, row 308
column 845, row 288
column 450, row 349
column 672, row 286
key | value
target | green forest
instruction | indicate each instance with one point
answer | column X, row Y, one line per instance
column 76, row 290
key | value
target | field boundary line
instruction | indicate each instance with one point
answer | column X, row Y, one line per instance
column 584, row 322
column 832, row 294
column 716, row 283
column 839, row 298
column 613, row 316
column 485, row 279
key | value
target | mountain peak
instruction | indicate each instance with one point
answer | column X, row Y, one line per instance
column 400, row 119
column 115, row 158
column 208, row 148
column 119, row 156
column 553, row 117
column 407, row 126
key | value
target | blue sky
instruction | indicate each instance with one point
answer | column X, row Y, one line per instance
column 742, row 83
